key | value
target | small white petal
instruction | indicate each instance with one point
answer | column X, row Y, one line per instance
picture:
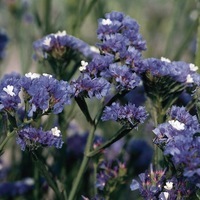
column 47, row 41
column 169, row 185
column 165, row 59
column 9, row 90
column 60, row 34
column 189, row 79
column 83, row 65
column 193, row 67
column 177, row 125
column 94, row 49
column 106, row 22
column 32, row 75
column 29, row 181
column 49, row 75
column 55, row 131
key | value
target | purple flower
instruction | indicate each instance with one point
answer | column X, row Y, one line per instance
column 58, row 44
column 86, row 86
column 178, row 71
column 46, row 93
column 177, row 137
column 150, row 184
column 99, row 66
column 9, row 91
column 13, row 189
column 128, row 114
column 117, row 23
column 3, row 42
column 124, row 77
column 32, row 138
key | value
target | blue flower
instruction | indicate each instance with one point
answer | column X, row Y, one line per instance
column 3, row 42
column 13, row 189
column 46, row 93
column 58, row 44
column 86, row 86
column 124, row 77
column 9, row 92
column 33, row 138
column 128, row 114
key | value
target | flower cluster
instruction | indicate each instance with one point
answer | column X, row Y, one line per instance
column 150, row 184
column 13, row 189
column 42, row 92
column 56, row 45
column 179, row 139
column 128, row 115
column 110, row 174
column 32, row 138
column 178, row 71
column 154, row 185
column 120, row 36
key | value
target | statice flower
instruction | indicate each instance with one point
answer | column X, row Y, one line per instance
column 124, row 77
column 56, row 45
column 33, row 138
column 128, row 115
column 90, row 87
column 9, row 92
column 150, row 184
column 179, row 139
column 120, row 37
column 45, row 93
column 109, row 174
column 178, row 71
column 3, row 43
column 13, row 189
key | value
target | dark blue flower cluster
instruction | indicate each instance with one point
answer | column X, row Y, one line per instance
column 58, row 44
column 31, row 137
column 3, row 42
column 128, row 115
column 179, row 139
column 109, row 173
column 13, row 189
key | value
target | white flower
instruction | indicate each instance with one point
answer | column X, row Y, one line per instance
column 9, row 90
column 60, row 34
column 193, row 67
column 47, row 41
column 32, row 75
column 94, row 49
column 55, row 131
column 169, row 185
column 164, row 196
column 49, row 75
column 189, row 79
column 177, row 125
column 165, row 59
column 29, row 181
column 106, row 22
column 83, row 65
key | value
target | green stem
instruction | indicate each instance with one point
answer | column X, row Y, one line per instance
column 197, row 55
column 83, row 167
column 43, row 170
column 121, row 133
column 47, row 12
column 8, row 137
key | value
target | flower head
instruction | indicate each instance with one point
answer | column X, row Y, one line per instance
column 32, row 138
column 128, row 114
